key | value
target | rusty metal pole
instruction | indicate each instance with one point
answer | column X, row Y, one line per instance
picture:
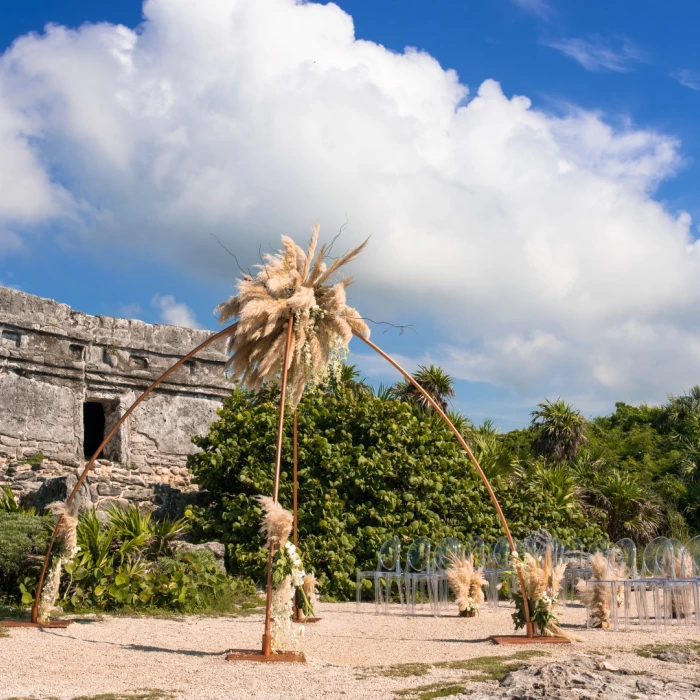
column 295, row 481
column 529, row 631
column 296, row 478
column 267, row 637
column 37, row 599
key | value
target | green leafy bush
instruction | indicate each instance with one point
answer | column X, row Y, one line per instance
column 23, row 538
column 130, row 562
column 369, row 468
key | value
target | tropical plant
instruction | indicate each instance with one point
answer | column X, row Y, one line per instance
column 23, row 539
column 8, row 503
column 435, row 381
column 368, row 469
column 560, row 431
column 624, row 506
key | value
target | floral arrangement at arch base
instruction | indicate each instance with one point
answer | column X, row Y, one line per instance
column 542, row 583
column 467, row 583
column 288, row 577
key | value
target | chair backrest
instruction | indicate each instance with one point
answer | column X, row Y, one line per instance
column 650, row 558
column 558, row 551
column 575, row 554
column 500, row 554
column 477, row 548
column 389, row 558
column 692, row 549
column 529, row 545
column 682, row 563
column 623, row 557
column 418, row 555
column 448, row 546
column 666, row 558
column 600, row 545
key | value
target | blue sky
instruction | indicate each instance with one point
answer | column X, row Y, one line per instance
column 614, row 89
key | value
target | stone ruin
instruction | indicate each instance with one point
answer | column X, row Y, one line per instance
column 67, row 377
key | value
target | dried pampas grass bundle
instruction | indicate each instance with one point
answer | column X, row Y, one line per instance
column 598, row 599
column 310, row 587
column 291, row 282
column 66, row 549
column 467, row 582
column 277, row 523
column 542, row 585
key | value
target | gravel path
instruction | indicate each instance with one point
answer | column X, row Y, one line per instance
column 184, row 657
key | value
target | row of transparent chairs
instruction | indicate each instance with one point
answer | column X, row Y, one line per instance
column 670, row 576
column 423, row 578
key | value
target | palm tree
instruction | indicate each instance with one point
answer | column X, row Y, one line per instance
column 681, row 407
column 558, row 482
column 349, row 379
column 436, row 382
column 560, row 431
column 624, row 506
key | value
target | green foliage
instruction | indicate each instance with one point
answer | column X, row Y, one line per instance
column 129, row 562
column 369, row 468
column 8, row 503
column 23, row 538
column 434, row 380
column 559, row 431
column 34, row 460
column 541, row 614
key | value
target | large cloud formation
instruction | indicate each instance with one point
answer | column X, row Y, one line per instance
column 532, row 238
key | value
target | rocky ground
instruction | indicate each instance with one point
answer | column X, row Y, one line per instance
column 350, row 655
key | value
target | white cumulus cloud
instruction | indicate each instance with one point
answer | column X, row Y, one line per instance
column 173, row 313
column 532, row 239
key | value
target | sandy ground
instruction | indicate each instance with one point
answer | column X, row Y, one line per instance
column 185, row 656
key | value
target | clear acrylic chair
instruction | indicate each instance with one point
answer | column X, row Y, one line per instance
column 498, row 562
column 387, row 572
column 444, row 551
column 477, row 549
column 417, row 575
column 577, row 568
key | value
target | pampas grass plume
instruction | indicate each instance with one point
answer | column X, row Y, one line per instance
column 277, row 522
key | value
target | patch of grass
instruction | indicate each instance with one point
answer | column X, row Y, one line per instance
column 649, row 651
column 13, row 612
column 34, row 460
column 435, row 690
column 492, row 668
column 4, row 632
column 481, row 668
column 402, row 670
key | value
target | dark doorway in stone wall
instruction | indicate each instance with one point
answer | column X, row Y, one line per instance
column 93, row 427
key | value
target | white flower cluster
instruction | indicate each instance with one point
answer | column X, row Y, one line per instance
column 298, row 572
column 471, row 604
column 286, row 635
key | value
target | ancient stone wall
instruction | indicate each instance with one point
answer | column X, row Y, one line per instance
column 67, row 377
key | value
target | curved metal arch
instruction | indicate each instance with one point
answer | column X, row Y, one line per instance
column 37, row 599
column 472, row 459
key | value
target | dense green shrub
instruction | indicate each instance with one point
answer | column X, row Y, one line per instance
column 131, row 562
column 23, row 538
column 369, row 468
column 128, row 562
